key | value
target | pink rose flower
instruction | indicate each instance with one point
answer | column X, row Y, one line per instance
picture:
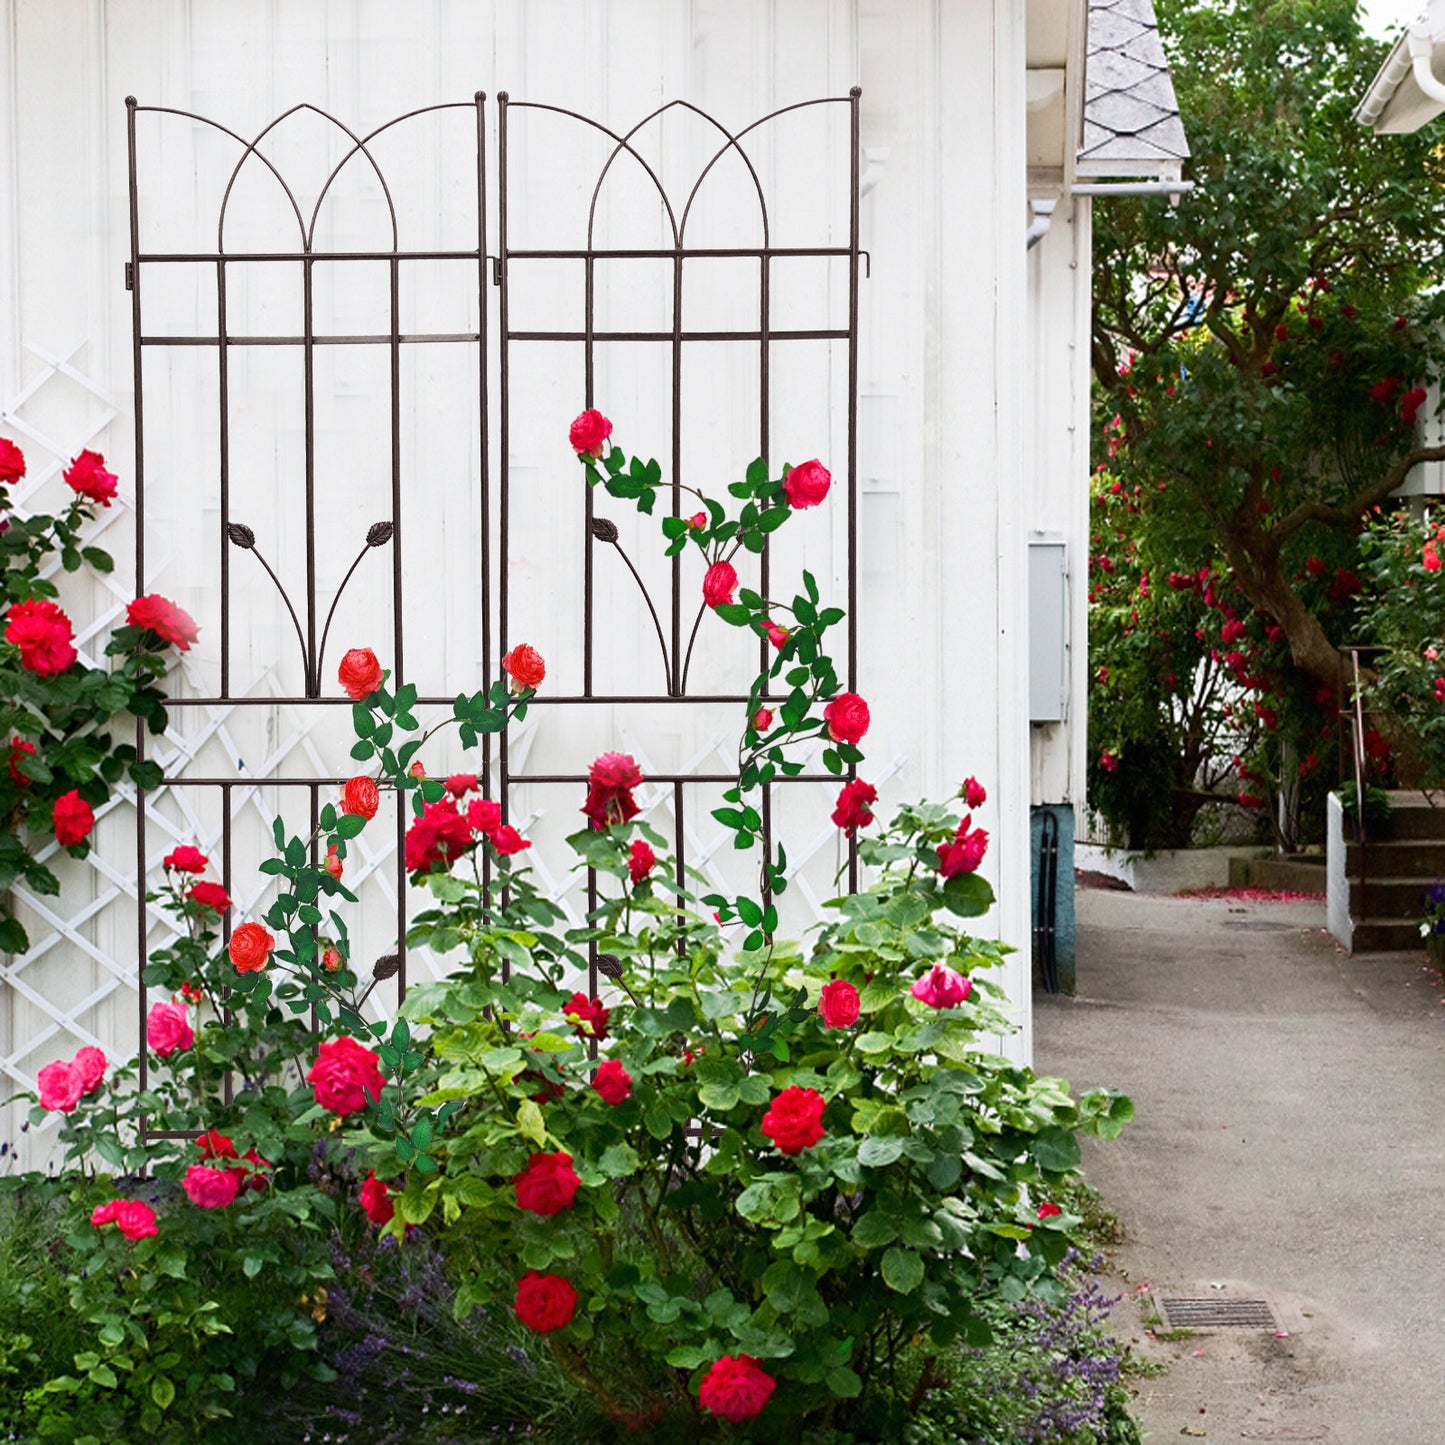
column 484, row 816
column 941, row 987
column 838, row 1004
column 762, row 720
column 719, row 584
column 847, row 718
column 777, row 635
column 60, row 1085
column 807, row 484
column 90, row 1063
column 210, row 1188
column 168, row 1030
column 587, row 434
column 735, row 1388
column 345, row 1076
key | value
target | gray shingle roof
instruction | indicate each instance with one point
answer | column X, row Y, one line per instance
column 1131, row 118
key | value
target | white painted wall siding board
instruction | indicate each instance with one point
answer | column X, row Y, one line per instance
column 942, row 428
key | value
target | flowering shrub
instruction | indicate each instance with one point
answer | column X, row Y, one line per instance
column 56, row 713
column 756, row 1179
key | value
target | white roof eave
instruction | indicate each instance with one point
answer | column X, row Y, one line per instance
column 1406, row 92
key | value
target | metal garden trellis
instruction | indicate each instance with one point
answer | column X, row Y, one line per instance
column 495, row 271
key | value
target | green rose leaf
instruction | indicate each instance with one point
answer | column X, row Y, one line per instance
column 902, row 1270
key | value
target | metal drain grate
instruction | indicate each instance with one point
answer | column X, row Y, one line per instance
column 1214, row 1314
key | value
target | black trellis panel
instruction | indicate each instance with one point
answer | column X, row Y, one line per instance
column 676, row 632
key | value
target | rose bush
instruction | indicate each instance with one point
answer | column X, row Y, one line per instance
column 63, row 719
column 752, row 1179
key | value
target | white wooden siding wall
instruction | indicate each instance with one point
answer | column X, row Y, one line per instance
column 941, row 623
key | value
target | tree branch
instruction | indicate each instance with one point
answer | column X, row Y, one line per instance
column 1361, row 502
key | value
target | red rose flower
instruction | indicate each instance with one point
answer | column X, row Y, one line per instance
column 1048, row 1210
column 19, row 748
column 524, row 665
column 777, row 635
column 735, row 1388
column 12, row 463
column 807, row 484
column 966, row 851
column 250, row 947
column 973, row 793
column 210, row 895
column 331, row 958
column 612, row 1082
column 360, row 797
column 794, row 1120
column 1411, row 403
column 852, row 810
column 165, row 619
column 134, row 1219
column 43, row 634
column 332, row 862
column 761, row 720
column 588, row 1017
column 192, row 992
column 1382, row 391
column 460, row 784
column 610, row 781
column 545, row 1302
column 698, row 521
column 210, row 1188
column 640, row 860
column 186, row 859
column 941, row 987
column 344, row 1076
column 588, row 432
column 440, row 835
column 88, row 476
column 847, row 718
column 547, row 1185
column 359, row 673
column 484, row 816
column 168, row 1030
column 719, row 584
column 376, row 1200
column 215, row 1145
column 838, row 1004
column 72, row 819
column 507, row 840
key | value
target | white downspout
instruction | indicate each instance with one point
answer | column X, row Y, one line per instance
column 1422, row 46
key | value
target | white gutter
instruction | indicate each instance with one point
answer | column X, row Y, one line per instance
column 1422, row 48
column 1132, row 188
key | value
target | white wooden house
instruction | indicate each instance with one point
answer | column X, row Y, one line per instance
column 971, row 376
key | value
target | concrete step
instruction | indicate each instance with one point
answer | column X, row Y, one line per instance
column 1407, row 858
column 1388, row 935
column 1388, row 897
column 1412, row 815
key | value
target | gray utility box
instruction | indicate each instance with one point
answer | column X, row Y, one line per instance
column 1048, row 628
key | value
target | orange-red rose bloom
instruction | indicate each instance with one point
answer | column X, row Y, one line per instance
column 250, row 947
column 524, row 665
column 344, row 1076
column 735, row 1388
column 548, row 1184
column 164, row 618
column 794, row 1120
column 359, row 673
column 72, row 819
column 545, row 1302
column 588, row 432
column 361, row 797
